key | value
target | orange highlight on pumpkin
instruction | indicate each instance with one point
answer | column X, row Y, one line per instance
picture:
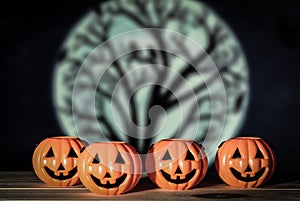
column 55, row 160
column 176, row 164
column 245, row 162
column 110, row 168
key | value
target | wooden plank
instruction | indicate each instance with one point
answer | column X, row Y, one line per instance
column 25, row 185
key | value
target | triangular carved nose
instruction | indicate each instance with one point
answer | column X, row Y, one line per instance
column 248, row 169
column 61, row 167
column 107, row 175
column 178, row 171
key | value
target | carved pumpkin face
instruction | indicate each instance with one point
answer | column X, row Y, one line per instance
column 176, row 164
column 245, row 162
column 55, row 160
column 110, row 168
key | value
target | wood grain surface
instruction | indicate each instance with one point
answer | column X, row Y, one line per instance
column 26, row 186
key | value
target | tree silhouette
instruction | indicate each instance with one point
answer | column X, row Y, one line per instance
column 149, row 14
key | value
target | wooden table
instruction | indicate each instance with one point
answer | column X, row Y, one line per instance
column 25, row 185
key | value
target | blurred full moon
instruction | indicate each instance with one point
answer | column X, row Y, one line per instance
column 190, row 18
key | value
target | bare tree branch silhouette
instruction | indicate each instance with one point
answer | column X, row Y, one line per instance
column 143, row 17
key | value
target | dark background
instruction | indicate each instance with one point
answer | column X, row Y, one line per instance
column 31, row 34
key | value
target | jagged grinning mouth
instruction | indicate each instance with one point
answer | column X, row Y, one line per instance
column 118, row 182
column 248, row 178
column 187, row 178
column 61, row 176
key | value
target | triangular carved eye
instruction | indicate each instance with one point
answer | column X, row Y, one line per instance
column 167, row 156
column 120, row 159
column 96, row 159
column 72, row 153
column 189, row 156
column 259, row 154
column 50, row 153
column 236, row 154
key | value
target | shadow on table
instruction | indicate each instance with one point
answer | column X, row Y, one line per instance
column 220, row 195
column 210, row 179
column 144, row 185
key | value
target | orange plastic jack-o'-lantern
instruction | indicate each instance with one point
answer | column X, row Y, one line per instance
column 55, row 160
column 176, row 164
column 245, row 162
column 110, row 168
